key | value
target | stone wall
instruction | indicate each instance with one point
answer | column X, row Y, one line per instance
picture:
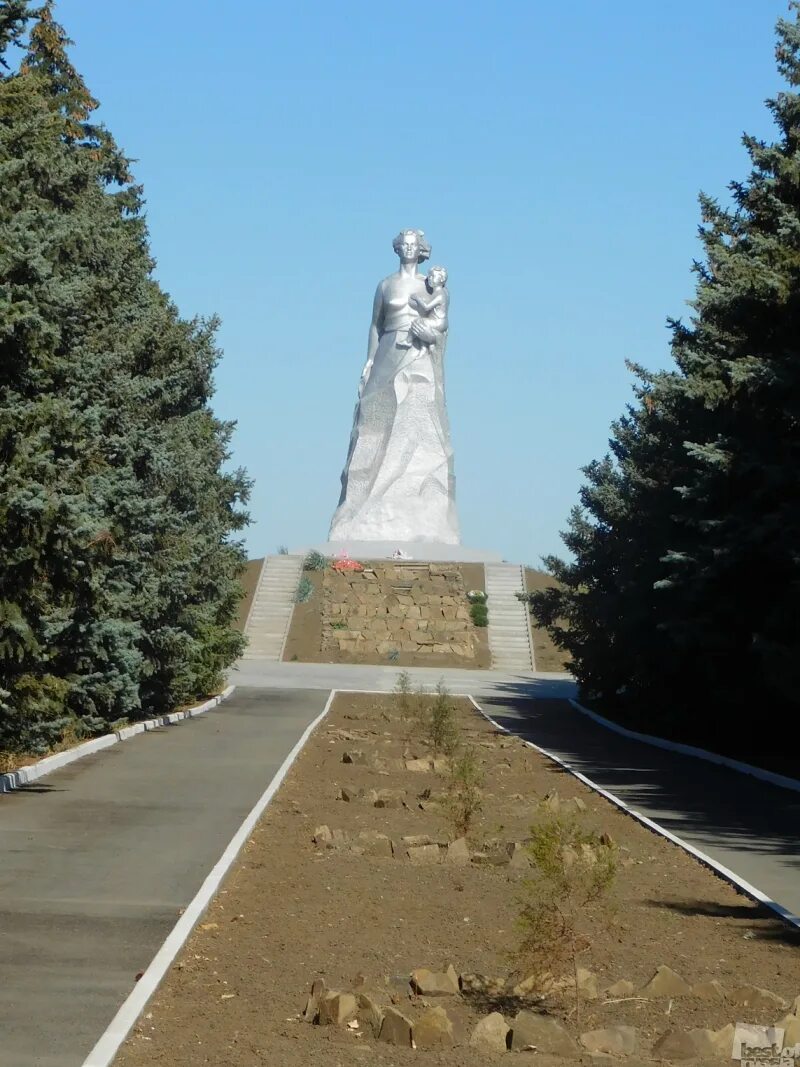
column 408, row 607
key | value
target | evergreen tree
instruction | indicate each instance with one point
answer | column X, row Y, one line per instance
column 118, row 578
column 680, row 607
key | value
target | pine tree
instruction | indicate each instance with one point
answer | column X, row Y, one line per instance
column 680, row 607
column 118, row 577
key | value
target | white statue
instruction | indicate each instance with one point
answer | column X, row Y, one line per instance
column 398, row 482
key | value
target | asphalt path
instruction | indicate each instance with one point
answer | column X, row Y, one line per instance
column 99, row 859
column 748, row 825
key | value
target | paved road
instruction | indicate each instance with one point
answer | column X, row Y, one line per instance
column 98, row 859
column 749, row 826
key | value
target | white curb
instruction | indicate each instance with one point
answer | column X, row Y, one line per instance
column 729, row 876
column 689, row 750
column 14, row 779
column 103, row 1053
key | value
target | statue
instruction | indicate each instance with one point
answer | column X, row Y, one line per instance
column 398, row 482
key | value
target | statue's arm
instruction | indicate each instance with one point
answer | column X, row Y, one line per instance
column 374, row 335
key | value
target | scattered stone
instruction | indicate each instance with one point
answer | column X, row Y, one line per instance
column 311, row 1010
column 433, row 1030
column 319, row 988
column 491, row 1034
column 518, row 857
column 441, row 764
column 613, row 1040
column 578, row 804
column 675, row 1045
column 322, row 835
column 435, row 983
column 552, row 801
column 709, row 990
column 607, row 840
column 457, row 852
column 348, row 795
column 336, row 1009
column 416, row 840
column 395, row 1029
column 479, row 983
column 418, row 765
column 530, row 1030
column 790, row 1024
column 622, row 988
column 354, row 756
column 588, row 855
column 752, row 996
column 587, row 984
column 369, row 1013
column 423, row 855
column 714, row 1044
column 375, row 843
column 665, row 983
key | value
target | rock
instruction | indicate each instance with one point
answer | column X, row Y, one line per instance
column 433, row 1030
column 457, row 852
column 491, row 1034
column 311, row 1010
column 415, row 840
column 322, row 835
column 395, row 1029
column 708, row 990
column 423, row 855
column 479, row 983
column 441, row 764
column 435, row 983
column 587, row 984
column 790, row 1024
column 665, row 983
column 588, row 855
column 675, row 1045
column 623, row 988
column 336, row 1009
column 375, row 843
column 614, row 1040
column 606, row 839
column 552, row 801
column 578, row 804
column 714, row 1044
column 354, row 756
column 369, row 1013
column 418, row 765
column 518, row 858
column 752, row 996
column 319, row 988
column 530, row 1030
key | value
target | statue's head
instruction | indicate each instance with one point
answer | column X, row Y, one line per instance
column 411, row 246
column 437, row 278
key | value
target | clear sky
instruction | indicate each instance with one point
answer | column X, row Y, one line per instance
column 552, row 153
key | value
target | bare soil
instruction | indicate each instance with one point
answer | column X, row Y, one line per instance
column 248, row 581
column 291, row 911
column 547, row 655
column 304, row 642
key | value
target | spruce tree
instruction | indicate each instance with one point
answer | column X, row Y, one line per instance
column 118, row 579
column 680, row 606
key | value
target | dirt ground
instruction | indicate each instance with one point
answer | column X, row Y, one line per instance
column 304, row 642
column 548, row 657
column 291, row 911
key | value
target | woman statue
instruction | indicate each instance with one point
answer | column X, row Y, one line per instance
column 398, row 483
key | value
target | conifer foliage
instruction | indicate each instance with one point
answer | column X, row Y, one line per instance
column 118, row 574
column 680, row 606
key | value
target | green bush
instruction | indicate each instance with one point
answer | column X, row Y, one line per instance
column 464, row 791
column 305, row 590
column 477, row 596
column 442, row 726
column 479, row 613
column 315, row 561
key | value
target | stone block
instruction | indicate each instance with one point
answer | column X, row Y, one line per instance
column 491, row 1034
column 336, row 1009
column 613, row 1040
column 544, row 1034
column 433, row 1030
column 429, row 983
column 396, row 1029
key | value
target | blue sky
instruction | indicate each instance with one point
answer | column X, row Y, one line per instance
column 552, row 153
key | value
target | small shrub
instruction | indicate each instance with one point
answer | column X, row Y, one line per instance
column 315, row 561
column 442, row 726
column 566, row 900
column 305, row 590
column 338, row 625
column 479, row 614
column 477, row 596
column 464, row 791
column 393, row 655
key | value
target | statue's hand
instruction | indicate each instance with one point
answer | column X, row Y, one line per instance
column 415, row 301
column 423, row 332
column 364, row 378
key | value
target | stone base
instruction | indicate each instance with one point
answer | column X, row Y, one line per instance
column 423, row 551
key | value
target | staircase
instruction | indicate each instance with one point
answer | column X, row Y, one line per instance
column 271, row 610
column 509, row 631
